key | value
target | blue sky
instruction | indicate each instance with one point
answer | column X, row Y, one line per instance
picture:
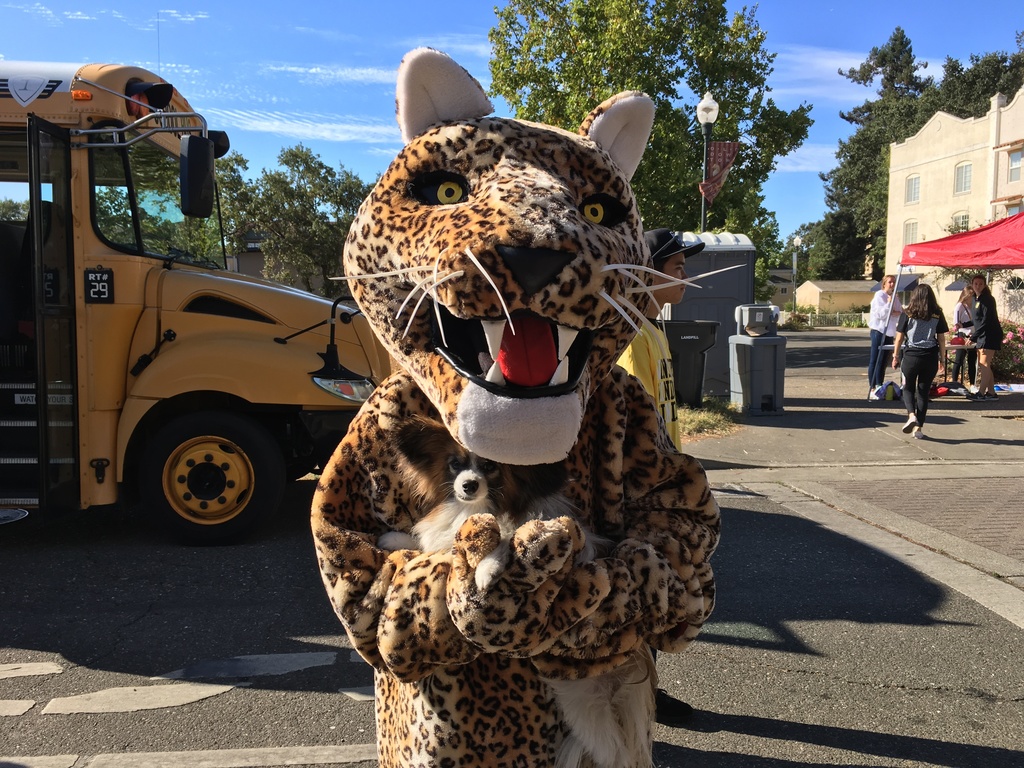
column 322, row 73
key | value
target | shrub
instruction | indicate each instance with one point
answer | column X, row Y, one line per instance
column 1009, row 360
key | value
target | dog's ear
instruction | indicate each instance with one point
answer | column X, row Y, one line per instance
column 422, row 441
column 542, row 479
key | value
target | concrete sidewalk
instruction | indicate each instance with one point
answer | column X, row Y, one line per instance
column 957, row 492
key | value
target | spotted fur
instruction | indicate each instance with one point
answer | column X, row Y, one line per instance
column 474, row 289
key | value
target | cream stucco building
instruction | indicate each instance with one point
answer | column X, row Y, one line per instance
column 956, row 174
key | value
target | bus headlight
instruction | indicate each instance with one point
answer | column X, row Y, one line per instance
column 356, row 390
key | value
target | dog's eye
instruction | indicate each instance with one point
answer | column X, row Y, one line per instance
column 454, row 465
column 603, row 209
column 439, row 188
column 488, row 466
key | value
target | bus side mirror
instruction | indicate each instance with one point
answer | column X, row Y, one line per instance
column 196, row 176
column 221, row 143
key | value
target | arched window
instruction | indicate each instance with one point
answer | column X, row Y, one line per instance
column 961, row 222
column 909, row 232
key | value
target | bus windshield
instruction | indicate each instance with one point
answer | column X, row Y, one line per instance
column 135, row 206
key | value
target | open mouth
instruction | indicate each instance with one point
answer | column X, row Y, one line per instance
column 529, row 357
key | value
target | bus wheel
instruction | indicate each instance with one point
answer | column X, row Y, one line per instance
column 210, row 477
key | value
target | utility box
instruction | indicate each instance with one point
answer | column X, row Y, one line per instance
column 717, row 298
column 688, row 342
column 757, row 361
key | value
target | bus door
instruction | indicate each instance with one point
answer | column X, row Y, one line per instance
column 50, row 224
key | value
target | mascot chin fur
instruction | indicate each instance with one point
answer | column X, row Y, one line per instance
column 502, row 265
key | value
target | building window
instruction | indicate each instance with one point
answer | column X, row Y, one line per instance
column 913, row 190
column 910, row 233
column 1015, row 283
column 961, row 222
column 1013, row 210
column 1014, row 166
column 783, row 290
column 962, row 182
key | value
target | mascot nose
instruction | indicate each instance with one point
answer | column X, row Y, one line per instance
column 534, row 267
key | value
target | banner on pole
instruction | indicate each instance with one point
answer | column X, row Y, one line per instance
column 721, row 155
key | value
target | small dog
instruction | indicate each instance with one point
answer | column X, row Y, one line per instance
column 609, row 715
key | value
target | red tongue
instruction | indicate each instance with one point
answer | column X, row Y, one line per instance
column 528, row 358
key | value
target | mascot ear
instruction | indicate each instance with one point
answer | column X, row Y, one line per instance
column 432, row 88
column 621, row 126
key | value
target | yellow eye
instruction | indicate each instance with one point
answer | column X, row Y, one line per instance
column 603, row 209
column 449, row 192
column 593, row 212
column 439, row 188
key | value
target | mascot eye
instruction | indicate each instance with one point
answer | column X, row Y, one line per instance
column 439, row 188
column 603, row 209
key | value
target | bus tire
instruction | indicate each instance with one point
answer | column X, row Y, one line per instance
column 210, row 477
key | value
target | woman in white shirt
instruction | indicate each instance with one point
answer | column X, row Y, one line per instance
column 883, row 329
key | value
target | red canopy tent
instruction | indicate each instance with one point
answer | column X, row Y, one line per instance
column 999, row 245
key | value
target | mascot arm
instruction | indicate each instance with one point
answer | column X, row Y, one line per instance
column 392, row 604
column 662, row 584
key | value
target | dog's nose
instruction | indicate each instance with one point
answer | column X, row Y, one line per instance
column 469, row 487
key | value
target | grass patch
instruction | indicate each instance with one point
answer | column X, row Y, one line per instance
column 715, row 418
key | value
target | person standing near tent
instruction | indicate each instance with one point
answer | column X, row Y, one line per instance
column 987, row 335
column 923, row 327
column 963, row 318
column 883, row 327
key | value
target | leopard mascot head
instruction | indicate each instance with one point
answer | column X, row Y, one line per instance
column 501, row 262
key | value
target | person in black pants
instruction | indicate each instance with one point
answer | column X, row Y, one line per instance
column 920, row 343
column 987, row 334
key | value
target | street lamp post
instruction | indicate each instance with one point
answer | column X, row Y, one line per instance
column 707, row 113
column 797, row 242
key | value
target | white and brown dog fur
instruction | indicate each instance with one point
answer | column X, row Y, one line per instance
column 610, row 715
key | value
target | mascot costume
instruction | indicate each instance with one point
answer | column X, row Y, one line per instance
column 502, row 264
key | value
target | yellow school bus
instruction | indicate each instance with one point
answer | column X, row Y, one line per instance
column 133, row 366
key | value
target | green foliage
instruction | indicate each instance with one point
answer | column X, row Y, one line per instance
column 856, row 191
column 13, row 210
column 555, row 60
column 304, row 211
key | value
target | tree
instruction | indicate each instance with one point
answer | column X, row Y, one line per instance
column 857, row 189
column 304, row 212
column 13, row 210
column 555, row 60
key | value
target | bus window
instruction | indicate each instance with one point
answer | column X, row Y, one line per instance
column 135, row 191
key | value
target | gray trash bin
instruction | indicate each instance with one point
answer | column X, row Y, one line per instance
column 689, row 342
column 757, row 361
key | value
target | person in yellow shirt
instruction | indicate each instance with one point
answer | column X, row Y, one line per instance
column 648, row 356
column 649, row 359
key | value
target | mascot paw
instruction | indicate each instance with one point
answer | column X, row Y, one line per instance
column 508, row 596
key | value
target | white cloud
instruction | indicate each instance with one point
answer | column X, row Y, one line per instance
column 807, row 73
column 332, row 75
column 306, row 127
column 809, row 158
column 455, row 45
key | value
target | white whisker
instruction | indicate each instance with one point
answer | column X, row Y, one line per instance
column 632, row 308
column 614, row 305
column 417, row 287
column 494, row 286
column 433, row 295
column 429, row 292
column 393, row 273
column 625, row 269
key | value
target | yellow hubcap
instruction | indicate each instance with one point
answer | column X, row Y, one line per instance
column 208, row 480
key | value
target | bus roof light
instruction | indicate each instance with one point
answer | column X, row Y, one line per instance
column 79, row 95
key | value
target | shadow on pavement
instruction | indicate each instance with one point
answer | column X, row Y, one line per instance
column 911, row 748
column 779, row 569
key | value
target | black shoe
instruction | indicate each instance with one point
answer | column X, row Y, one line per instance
column 670, row 711
column 972, row 396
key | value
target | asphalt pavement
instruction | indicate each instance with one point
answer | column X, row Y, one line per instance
column 871, row 585
column 870, row 610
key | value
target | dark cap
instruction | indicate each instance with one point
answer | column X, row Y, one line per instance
column 663, row 244
column 157, row 94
